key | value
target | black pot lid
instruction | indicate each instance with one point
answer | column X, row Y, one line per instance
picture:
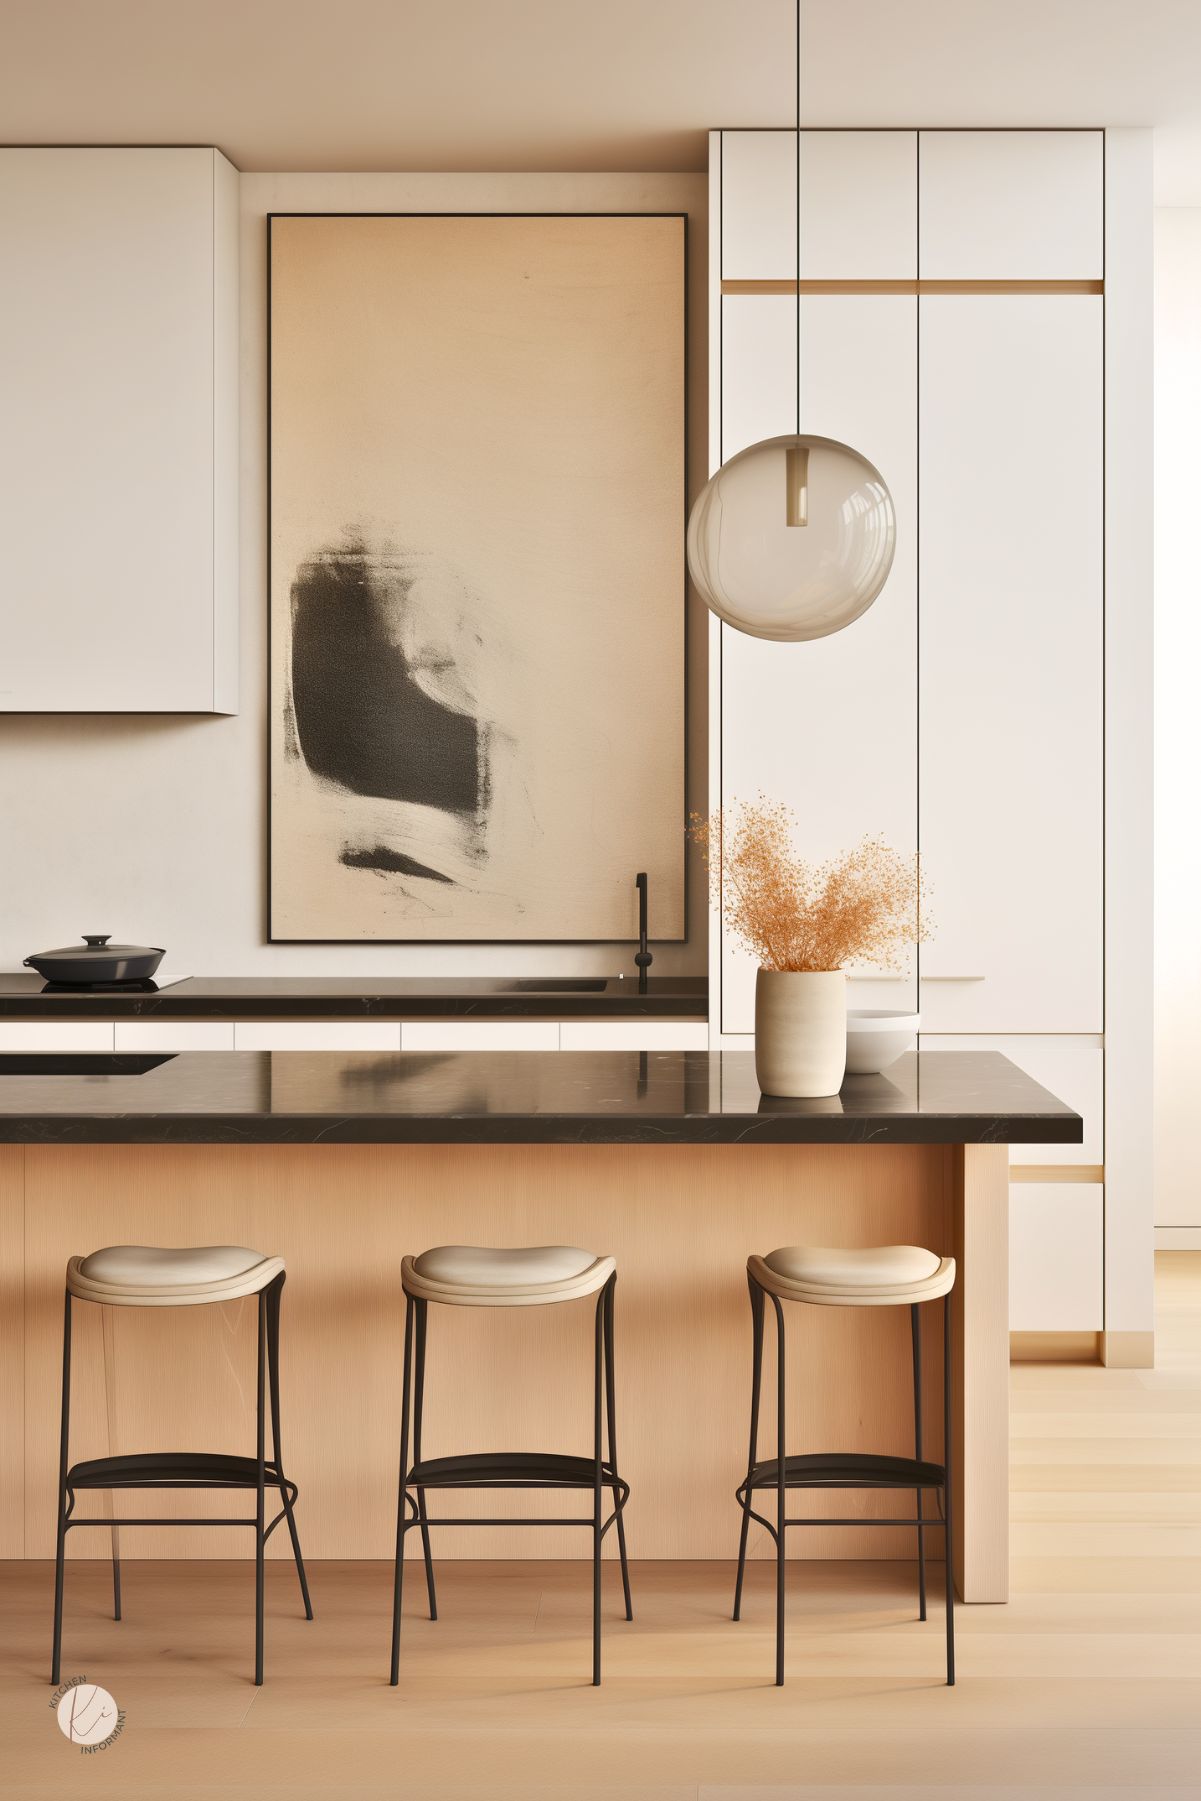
column 96, row 944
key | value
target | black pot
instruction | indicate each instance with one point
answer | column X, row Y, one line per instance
column 97, row 961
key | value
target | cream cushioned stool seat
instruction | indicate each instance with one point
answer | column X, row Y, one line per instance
column 141, row 1275
column 468, row 1275
column 880, row 1276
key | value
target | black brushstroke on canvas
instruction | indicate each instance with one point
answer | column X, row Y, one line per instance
column 381, row 858
column 361, row 718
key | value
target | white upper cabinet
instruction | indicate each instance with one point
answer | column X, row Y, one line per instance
column 119, row 445
column 827, row 727
column 858, row 205
column 1011, row 205
column 1010, row 743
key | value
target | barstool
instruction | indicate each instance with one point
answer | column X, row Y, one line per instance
column 135, row 1275
column 886, row 1276
column 458, row 1275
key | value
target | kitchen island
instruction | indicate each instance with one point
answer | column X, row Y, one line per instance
column 342, row 1163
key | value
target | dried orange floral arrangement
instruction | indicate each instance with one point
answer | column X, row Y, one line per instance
column 862, row 907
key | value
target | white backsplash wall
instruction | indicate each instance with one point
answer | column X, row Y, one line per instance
column 154, row 828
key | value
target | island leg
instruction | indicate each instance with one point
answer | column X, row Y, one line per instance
column 981, row 1372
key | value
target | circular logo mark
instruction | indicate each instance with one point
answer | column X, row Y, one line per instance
column 87, row 1714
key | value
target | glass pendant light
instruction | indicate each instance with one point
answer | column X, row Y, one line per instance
column 794, row 537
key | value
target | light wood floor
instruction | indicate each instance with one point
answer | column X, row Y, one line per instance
column 1087, row 1685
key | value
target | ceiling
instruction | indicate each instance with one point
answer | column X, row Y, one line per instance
column 583, row 84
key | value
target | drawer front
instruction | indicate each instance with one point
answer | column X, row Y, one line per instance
column 480, row 1035
column 634, row 1035
column 317, row 1035
column 174, row 1035
column 1072, row 1068
column 56, row 1035
column 1056, row 1257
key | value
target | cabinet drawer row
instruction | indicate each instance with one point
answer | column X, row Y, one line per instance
column 355, row 1035
column 895, row 205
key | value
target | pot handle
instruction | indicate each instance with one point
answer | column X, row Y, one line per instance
column 97, row 940
column 28, row 964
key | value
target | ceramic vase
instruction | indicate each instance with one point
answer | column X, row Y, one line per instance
column 800, row 1032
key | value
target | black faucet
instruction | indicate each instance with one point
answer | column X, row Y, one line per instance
column 644, row 959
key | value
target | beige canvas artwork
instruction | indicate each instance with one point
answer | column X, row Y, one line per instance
column 477, row 576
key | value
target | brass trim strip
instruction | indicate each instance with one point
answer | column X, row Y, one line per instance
column 913, row 287
column 1057, row 1172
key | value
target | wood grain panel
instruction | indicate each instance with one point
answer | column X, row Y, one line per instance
column 981, row 1361
column 12, row 1350
column 680, row 1222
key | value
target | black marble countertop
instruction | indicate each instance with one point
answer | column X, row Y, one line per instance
column 526, row 1097
column 355, row 997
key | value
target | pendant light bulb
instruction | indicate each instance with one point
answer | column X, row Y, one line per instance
column 796, row 466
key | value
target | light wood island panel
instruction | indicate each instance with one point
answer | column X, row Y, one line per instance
column 680, row 1221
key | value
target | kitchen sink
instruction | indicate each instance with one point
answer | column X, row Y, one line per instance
column 72, row 1063
column 567, row 985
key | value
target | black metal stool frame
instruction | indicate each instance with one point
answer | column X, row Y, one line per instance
column 184, row 1470
column 845, row 1471
column 535, row 1470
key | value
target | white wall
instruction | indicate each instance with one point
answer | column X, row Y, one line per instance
column 155, row 828
column 1177, row 729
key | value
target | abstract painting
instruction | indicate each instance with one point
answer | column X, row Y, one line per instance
column 477, row 576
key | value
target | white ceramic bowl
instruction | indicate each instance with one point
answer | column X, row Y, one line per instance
column 876, row 1037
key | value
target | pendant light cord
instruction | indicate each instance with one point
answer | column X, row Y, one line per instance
column 798, row 217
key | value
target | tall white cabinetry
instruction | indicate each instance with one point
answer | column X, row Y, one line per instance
column 952, row 327
column 1010, row 738
column 805, row 723
column 119, row 447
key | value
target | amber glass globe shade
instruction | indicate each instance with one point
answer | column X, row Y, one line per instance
column 792, row 538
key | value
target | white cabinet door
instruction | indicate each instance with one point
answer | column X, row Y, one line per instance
column 758, row 205
column 1056, row 1257
column 118, row 454
column 480, row 1035
column 174, row 1035
column 1011, row 205
column 634, row 1035
column 758, row 369
column 858, row 205
column 56, row 1035
column 1010, row 749
column 316, row 1035
column 828, row 727
column 1073, row 1069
